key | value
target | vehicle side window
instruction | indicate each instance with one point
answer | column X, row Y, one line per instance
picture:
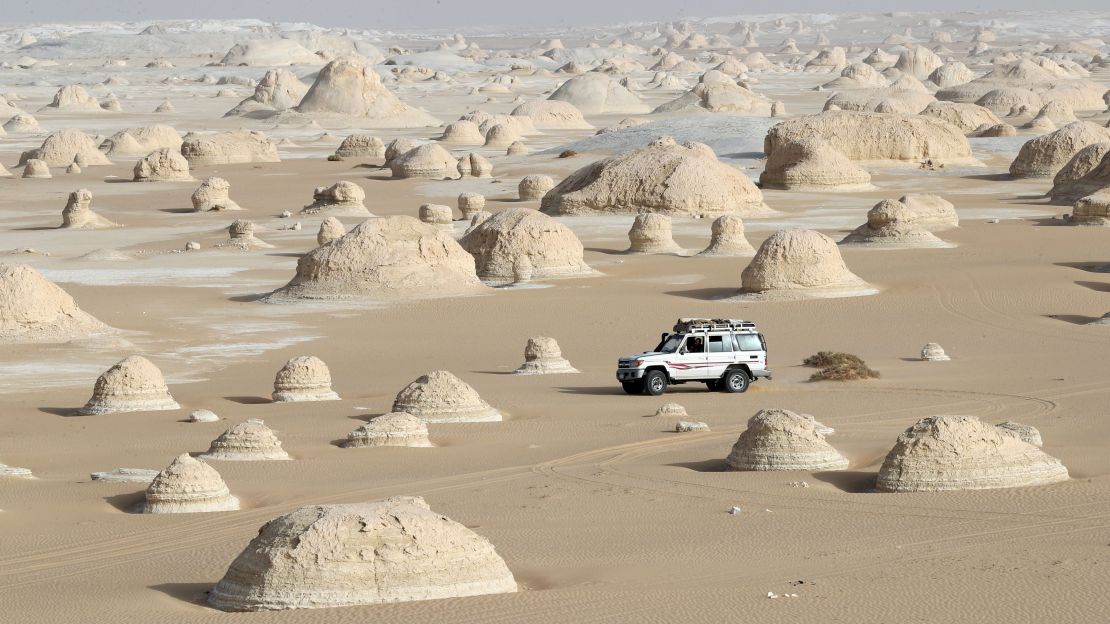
column 717, row 344
column 748, row 342
column 695, row 344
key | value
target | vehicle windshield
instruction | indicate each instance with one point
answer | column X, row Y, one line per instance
column 670, row 345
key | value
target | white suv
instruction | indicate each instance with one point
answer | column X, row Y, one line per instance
column 725, row 354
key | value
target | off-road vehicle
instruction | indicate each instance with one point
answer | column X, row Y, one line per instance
column 724, row 354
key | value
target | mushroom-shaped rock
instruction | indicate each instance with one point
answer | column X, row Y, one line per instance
column 162, row 165
column 134, row 384
column 429, row 160
column 595, row 93
column 34, row 309
column 534, row 186
column 778, row 439
column 542, row 356
column 389, row 257
column 330, row 229
column 811, row 164
column 888, row 138
column 891, row 224
column 471, row 203
column 247, row 441
column 663, row 177
column 78, row 214
column 212, row 194
column 361, row 146
column 651, row 234
column 933, row 352
column 942, row 453
column 304, row 378
column 188, row 485
column 727, row 238
column 349, row 89
column 343, row 198
column 395, row 429
column 500, row 243
column 226, row 148
column 475, row 165
column 241, row 236
column 1047, row 154
column 797, row 262
column 441, row 397
column 395, row 550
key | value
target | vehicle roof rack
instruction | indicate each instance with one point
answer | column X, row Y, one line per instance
column 702, row 324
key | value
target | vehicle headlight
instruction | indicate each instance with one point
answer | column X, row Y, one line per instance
column 637, row 363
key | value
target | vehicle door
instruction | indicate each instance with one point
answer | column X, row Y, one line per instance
column 689, row 362
column 719, row 356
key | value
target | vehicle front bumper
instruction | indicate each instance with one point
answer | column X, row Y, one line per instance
column 629, row 374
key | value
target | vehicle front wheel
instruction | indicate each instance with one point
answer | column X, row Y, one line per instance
column 632, row 387
column 735, row 381
column 655, row 383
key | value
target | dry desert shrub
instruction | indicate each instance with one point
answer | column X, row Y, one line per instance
column 836, row 366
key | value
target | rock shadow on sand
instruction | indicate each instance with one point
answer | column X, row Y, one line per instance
column 850, row 481
column 193, row 593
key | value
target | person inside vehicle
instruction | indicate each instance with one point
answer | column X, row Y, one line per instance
column 695, row 345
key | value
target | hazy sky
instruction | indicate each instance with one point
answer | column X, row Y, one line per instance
column 461, row 13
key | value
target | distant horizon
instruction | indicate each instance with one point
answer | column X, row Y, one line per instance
column 441, row 15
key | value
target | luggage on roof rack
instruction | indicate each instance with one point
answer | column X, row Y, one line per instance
column 702, row 324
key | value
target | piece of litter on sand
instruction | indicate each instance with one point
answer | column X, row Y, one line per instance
column 734, row 511
column 772, row 595
column 768, row 511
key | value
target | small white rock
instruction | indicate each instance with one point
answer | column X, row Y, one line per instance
column 684, row 426
column 203, row 415
column 286, row 214
column 192, row 246
column 734, row 511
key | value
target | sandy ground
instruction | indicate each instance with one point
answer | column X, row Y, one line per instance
column 601, row 512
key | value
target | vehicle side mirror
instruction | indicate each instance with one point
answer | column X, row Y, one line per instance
column 682, row 351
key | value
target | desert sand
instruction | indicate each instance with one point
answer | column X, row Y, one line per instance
column 557, row 497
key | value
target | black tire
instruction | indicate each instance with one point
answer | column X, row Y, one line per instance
column 655, row 383
column 632, row 387
column 735, row 381
column 713, row 385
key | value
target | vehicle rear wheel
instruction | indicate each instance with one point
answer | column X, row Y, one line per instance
column 632, row 387
column 713, row 385
column 655, row 383
column 735, row 381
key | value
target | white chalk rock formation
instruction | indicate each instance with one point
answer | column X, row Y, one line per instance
column 212, row 194
column 78, row 215
column 350, row 91
column 463, row 132
column 268, row 52
column 717, row 93
column 134, row 384
column 391, row 257
column 651, row 234
column 1027, row 433
column 943, row 453
column 279, row 90
column 361, row 146
column 429, row 160
column 36, row 169
column 1093, row 209
column 663, row 177
column 542, row 356
column 304, row 378
column 34, row 309
column 396, row 429
column 188, row 486
column 727, row 238
column 534, row 186
column 203, row 415
column 22, row 123
column 1087, row 172
column 140, row 141
column 343, row 198
column 162, row 165
column 1047, row 154
column 501, row 243
column 794, row 263
column 778, row 439
column 471, row 203
column 932, row 212
column 69, row 145
column 229, row 148
column 671, row 410
column 395, row 550
column 440, row 397
column 330, row 229
column 887, row 138
column 811, row 164
column 475, row 165
column 690, row 426
column 241, row 236
column 74, row 99
column 597, row 94
column 965, row 116
column 436, row 214
column 247, row 441
column 933, row 352
column 552, row 115
column 892, row 225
